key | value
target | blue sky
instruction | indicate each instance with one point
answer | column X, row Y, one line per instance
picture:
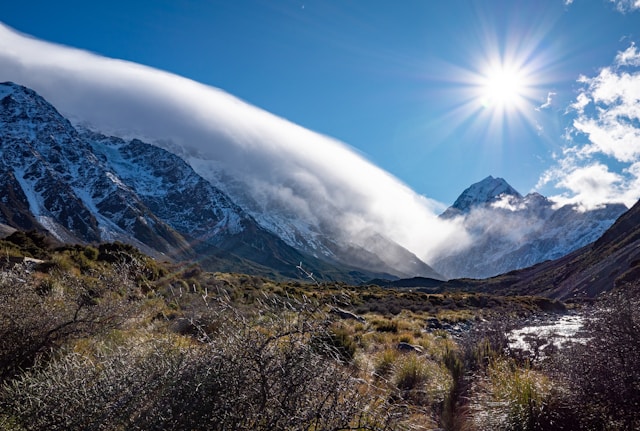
column 397, row 81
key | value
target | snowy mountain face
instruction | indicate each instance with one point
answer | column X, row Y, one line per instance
column 87, row 187
column 487, row 191
column 84, row 186
column 169, row 188
column 511, row 231
column 298, row 226
column 373, row 252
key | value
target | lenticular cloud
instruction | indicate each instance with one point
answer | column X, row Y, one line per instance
column 316, row 180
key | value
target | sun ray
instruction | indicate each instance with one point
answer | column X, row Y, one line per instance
column 493, row 88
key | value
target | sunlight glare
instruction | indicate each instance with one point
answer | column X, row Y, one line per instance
column 503, row 87
column 497, row 90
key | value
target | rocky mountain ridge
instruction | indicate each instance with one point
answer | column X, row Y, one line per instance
column 83, row 186
column 510, row 231
column 613, row 260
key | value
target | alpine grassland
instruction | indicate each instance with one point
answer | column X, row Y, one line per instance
column 103, row 337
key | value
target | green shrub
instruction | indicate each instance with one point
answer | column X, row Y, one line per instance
column 33, row 243
column 91, row 253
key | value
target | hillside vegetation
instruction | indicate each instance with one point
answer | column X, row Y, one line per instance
column 105, row 338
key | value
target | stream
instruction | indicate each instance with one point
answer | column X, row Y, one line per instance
column 545, row 333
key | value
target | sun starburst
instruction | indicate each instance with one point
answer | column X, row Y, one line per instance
column 503, row 87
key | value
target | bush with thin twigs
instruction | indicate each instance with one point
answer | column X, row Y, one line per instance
column 601, row 375
column 42, row 313
column 259, row 371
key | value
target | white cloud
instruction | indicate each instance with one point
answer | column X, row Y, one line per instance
column 590, row 186
column 629, row 57
column 606, row 128
column 548, row 102
column 625, row 6
column 316, row 179
column 581, row 102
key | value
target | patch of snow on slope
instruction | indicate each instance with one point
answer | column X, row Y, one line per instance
column 34, row 199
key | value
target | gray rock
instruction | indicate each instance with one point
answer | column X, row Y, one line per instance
column 407, row 347
column 344, row 314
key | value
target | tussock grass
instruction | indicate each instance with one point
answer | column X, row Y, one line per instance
column 125, row 342
column 510, row 397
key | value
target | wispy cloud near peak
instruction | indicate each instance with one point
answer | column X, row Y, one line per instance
column 629, row 57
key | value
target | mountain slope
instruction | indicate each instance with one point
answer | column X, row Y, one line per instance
column 83, row 186
column 305, row 227
column 55, row 181
column 612, row 260
column 510, row 231
column 598, row 267
column 487, row 191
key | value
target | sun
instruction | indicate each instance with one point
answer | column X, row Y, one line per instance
column 503, row 87
column 497, row 88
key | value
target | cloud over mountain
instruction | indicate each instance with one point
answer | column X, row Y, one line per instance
column 317, row 179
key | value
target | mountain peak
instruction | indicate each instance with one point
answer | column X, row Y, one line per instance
column 83, row 186
column 483, row 192
column 8, row 88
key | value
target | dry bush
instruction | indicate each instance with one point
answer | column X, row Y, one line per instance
column 510, row 398
column 39, row 313
column 601, row 377
column 384, row 362
column 269, row 370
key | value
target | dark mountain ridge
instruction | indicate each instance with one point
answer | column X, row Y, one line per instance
column 82, row 186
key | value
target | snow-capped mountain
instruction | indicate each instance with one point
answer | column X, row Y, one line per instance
column 510, row 231
column 484, row 192
column 372, row 252
column 309, row 188
column 84, row 186
column 88, row 187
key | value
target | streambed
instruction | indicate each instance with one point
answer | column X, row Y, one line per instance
column 547, row 333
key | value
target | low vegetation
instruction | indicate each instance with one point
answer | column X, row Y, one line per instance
column 106, row 338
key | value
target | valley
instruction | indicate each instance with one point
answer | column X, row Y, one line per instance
column 137, row 294
column 320, row 215
column 108, row 329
